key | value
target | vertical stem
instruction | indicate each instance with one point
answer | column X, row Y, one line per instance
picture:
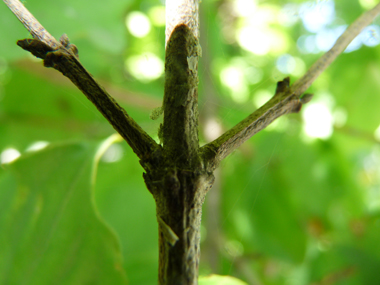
column 179, row 217
column 179, row 182
column 180, row 128
column 182, row 12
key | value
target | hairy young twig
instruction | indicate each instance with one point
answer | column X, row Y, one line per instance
column 286, row 100
column 62, row 56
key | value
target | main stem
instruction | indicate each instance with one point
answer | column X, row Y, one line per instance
column 175, row 174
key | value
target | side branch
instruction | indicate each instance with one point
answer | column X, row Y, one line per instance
column 62, row 56
column 340, row 45
column 286, row 100
column 283, row 102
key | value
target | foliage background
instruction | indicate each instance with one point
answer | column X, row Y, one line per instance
column 288, row 208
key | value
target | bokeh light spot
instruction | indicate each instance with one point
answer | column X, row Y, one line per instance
column 138, row 24
column 145, row 67
column 371, row 35
column 244, row 8
column 318, row 120
column 233, row 78
column 286, row 64
column 157, row 15
column 261, row 97
column 38, row 145
column 9, row 155
column 317, row 14
column 377, row 134
column 368, row 4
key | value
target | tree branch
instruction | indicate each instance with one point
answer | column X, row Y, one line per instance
column 62, row 56
column 286, row 99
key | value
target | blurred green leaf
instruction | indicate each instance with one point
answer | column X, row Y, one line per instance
column 128, row 207
column 219, row 280
column 52, row 230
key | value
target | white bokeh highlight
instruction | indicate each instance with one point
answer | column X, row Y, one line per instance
column 138, row 24
column 9, row 155
column 318, row 121
column 36, row 146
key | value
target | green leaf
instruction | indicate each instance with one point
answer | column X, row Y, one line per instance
column 128, row 207
column 52, row 233
column 219, row 280
column 261, row 210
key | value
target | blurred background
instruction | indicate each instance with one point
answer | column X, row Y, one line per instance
column 299, row 203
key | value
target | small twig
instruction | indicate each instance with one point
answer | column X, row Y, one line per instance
column 62, row 56
column 31, row 23
column 286, row 100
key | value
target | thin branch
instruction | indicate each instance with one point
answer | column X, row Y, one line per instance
column 286, row 100
column 340, row 45
column 31, row 23
column 62, row 56
column 283, row 102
